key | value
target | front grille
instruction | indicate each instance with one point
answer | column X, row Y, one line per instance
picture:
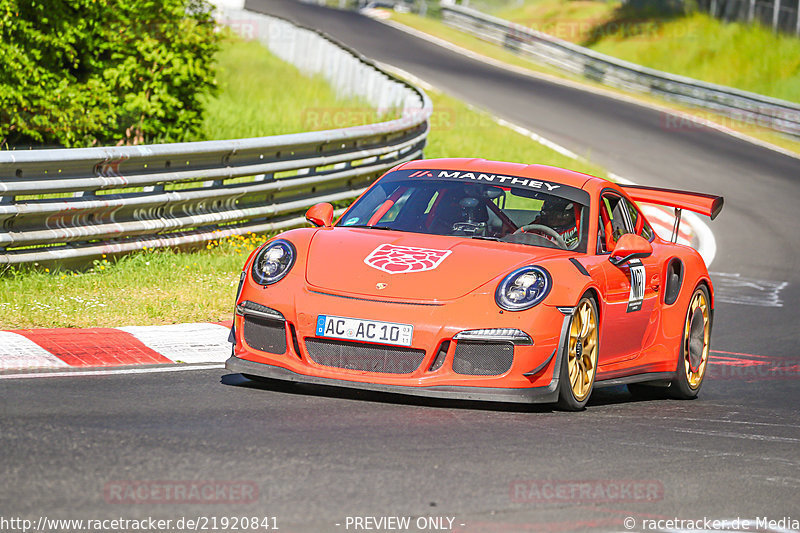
column 265, row 335
column 483, row 358
column 366, row 357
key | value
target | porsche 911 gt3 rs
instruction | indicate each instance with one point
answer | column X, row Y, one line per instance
column 481, row 280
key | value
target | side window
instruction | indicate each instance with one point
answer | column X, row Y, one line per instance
column 602, row 246
column 640, row 225
column 613, row 222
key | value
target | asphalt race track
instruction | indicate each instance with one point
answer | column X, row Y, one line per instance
column 317, row 456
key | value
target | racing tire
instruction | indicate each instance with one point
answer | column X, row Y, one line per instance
column 695, row 346
column 579, row 364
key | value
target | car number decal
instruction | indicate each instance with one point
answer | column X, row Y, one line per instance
column 358, row 329
column 637, row 285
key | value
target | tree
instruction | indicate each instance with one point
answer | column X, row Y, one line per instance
column 101, row 72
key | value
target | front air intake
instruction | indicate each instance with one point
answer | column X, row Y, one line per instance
column 483, row 358
column 265, row 335
column 363, row 356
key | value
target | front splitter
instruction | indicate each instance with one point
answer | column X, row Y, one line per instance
column 548, row 394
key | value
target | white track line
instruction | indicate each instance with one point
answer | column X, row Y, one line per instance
column 706, row 243
column 540, row 139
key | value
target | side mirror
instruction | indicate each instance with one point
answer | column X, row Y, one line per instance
column 630, row 246
column 321, row 215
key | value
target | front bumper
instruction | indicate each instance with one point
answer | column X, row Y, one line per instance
column 544, row 394
column 532, row 377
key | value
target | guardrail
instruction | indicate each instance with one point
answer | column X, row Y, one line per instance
column 68, row 204
column 742, row 106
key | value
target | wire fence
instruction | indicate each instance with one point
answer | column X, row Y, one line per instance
column 780, row 15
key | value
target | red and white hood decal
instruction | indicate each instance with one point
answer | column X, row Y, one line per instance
column 395, row 259
column 410, row 266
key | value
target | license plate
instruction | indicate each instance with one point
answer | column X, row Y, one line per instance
column 358, row 329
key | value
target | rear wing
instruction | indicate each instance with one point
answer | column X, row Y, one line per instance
column 705, row 204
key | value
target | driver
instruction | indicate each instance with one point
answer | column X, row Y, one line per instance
column 563, row 216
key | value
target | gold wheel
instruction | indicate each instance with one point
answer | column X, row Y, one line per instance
column 696, row 338
column 582, row 355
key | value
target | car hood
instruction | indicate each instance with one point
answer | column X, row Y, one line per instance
column 411, row 266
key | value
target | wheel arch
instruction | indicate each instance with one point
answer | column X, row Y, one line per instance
column 706, row 281
column 594, row 293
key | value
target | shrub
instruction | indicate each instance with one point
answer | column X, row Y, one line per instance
column 89, row 72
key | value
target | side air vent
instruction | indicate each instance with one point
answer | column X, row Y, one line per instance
column 674, row 281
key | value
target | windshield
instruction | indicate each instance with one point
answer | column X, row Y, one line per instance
column 474, row 205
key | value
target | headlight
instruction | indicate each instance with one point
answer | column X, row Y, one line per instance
column 523, row 288
column 273, row 262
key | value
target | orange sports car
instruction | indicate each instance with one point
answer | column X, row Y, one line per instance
column 481, row 280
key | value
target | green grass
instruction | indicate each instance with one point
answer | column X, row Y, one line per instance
column 573, row 21
column 438, row 29
column 164, row 286
column 292, row 103
column 459, row 130
column 148, row 287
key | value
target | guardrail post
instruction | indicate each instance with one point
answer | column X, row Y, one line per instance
column 797, row 19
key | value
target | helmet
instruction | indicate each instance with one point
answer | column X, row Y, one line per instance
column 563, row 216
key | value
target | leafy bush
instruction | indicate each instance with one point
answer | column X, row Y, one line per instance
column 100, row 72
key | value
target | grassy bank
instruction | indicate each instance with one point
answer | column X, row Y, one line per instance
column 148, row 287
column 253, row 99
column 749, row 57
column 162, row 286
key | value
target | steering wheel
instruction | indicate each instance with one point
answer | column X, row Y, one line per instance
column 539, row 228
